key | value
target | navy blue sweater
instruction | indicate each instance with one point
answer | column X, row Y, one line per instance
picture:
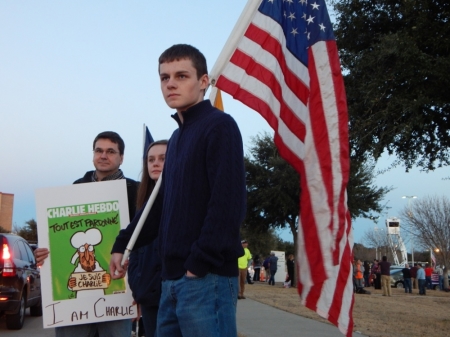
column 202, row 199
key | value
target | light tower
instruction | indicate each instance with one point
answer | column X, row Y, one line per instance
column 395, row 241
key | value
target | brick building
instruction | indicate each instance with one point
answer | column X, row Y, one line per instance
column 6, row 210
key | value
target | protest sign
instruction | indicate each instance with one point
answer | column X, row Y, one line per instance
column 78, row 224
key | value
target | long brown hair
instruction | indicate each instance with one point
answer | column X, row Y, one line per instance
column 146, row 186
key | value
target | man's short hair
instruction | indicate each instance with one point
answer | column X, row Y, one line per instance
column 113, row 137
column 185, row 52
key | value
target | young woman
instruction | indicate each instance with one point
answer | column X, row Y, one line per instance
column 144, row 269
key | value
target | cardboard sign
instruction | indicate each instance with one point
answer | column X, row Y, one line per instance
column 79, row 224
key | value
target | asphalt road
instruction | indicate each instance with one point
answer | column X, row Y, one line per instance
column 31, row 327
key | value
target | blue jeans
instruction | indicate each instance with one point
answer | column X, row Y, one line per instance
column 441, row 282
column 408, row 285
column 428, row 282
column 272, row 277
column 366, row 280
column 198, row 307
column 118, row 328
column 422, row 290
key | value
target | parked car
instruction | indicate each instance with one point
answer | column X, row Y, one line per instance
column 20, row 281
column 397, row 278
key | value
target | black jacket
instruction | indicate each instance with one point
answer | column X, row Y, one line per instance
column 132, row 187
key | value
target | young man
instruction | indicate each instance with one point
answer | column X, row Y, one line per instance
column 199, row 209
column 108, row 149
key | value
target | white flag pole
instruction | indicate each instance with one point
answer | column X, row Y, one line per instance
column 141, row 221
column 236, row 34
column 143, row 139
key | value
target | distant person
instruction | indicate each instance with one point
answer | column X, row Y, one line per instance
column 108, row 148
column 358, row 273
column 377, row 274
column 421, row 280
column 243, row 268
column 256, row 267
column 273, row 261
column 428, row 271
column 385, row 270
column 266, row 268
column 407, row 278
column 414, row 276
column 290, row 265
column 366, row 274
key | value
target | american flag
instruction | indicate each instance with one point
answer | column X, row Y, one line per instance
column 282, row 61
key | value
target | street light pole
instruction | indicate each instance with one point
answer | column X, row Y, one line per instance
column 409, row 197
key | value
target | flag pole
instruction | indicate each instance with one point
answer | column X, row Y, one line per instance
column 141, row 221
column 236, row 34
column 143, row 138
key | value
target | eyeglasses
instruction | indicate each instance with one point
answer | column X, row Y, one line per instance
column 109, row 152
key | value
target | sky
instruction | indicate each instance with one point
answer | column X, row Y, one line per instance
column 72, row 69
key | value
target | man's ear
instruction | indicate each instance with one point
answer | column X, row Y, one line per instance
column 204, row 83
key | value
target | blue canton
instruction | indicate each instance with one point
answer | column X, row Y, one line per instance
column 304, row 23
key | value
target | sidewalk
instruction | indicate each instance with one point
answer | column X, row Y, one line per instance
column 255, row 319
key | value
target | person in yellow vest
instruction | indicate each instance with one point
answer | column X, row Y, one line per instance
column 243, row 265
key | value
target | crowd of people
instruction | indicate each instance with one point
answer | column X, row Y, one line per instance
column 253, row 269
column 378, row 275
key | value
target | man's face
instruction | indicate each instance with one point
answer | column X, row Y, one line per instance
column 107, row 158
column 87, row 258
column 180, row 86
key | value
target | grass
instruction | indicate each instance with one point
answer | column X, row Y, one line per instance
column 402, row 315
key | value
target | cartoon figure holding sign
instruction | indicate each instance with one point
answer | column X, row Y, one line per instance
column 88, row 275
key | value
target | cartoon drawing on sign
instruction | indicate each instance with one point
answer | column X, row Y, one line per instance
column 88, row 278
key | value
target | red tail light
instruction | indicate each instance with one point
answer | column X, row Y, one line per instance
column 8, row 265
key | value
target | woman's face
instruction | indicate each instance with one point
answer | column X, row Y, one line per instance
column 155, row 160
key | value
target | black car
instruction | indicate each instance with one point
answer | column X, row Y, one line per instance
column 20, row 281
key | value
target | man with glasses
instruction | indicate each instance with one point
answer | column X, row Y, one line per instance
column 108, row 148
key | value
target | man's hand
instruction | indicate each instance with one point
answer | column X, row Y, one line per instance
column 41, row 254
column 117, row 271
column 189, row 274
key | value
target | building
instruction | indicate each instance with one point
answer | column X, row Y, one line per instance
column 6, row 210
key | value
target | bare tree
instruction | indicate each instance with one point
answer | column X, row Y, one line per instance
column 377, row 238
column 429, row 221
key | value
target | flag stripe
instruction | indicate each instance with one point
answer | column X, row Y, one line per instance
column 255, row 101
